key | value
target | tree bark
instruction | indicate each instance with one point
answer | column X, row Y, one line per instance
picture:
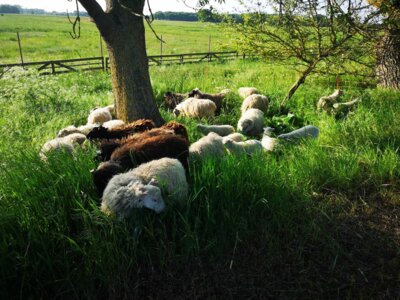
column 388, row 59
column 124, row 34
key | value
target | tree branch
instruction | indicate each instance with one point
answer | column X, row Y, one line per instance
column 103, row 22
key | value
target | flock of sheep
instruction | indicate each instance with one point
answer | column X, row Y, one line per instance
column 141, row 164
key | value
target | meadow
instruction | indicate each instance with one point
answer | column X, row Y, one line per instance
column 47, row 37
column 315, row 219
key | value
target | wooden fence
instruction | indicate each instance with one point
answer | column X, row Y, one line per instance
column 103, row 63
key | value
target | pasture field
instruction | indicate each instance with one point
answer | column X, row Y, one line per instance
column 318, row 219
column 50, row 34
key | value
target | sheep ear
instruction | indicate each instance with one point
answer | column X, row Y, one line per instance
column 92, row 171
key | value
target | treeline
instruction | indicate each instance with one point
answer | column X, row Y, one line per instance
column 17, row 9
column 203, row 15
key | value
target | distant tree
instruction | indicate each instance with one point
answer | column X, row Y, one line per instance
column 313, row 35
column 207, row 15
column 10, row 9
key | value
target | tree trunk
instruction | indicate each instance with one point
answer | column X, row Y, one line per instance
column 124, row 34
column 388, row 58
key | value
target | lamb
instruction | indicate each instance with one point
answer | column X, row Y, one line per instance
column 85, row 129
column 236, row 137
column 326, row 103
column 251, row 122
column 345, row 106
column 196, row 108
column 255, row 101
column 57, row 144
column 216, row 98
column 269, row 143
column 244, row 92
column 172, row 99
column 113, row 124
column 120, row 132
column 132, row 154
column 240, row 148
column 209, row 145
column 308, row 131
column 99, row 116
column 222, row 130
column 169, row 175
column 125, row 192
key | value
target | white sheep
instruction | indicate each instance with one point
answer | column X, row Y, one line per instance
column 74, row 138
column 236, row 137
column 66, row 143
column 308, row 131
column 209, row 145
column 326, row 103
column 168, row 174
column 196, row 108
column 99, row 116
column 57, row 144
column 113, row 124
column 222, row 130
column 251, row 122
column 244, row 92
column 124, row 192
column 248, row 147
column 84, row 129
column 269, row 143
column 255, row 101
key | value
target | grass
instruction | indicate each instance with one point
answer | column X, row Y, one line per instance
column 51, row 35
column 317, row 219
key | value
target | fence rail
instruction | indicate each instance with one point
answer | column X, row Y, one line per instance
column 103, row 63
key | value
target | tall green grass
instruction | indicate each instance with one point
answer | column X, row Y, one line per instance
column 281, row 212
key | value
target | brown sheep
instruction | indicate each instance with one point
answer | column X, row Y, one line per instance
column 216, row 98
column 107, row 147
column 135, row 152
column 172, row 99
column 121, row 131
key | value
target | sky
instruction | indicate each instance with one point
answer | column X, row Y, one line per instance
column 156, row 5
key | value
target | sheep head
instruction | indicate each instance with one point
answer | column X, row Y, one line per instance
column 97, row 132
column 148, row 196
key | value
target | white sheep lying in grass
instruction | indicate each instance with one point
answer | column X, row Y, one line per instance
column 113, row 124
column 308, row 131
column 196, row 108
column 248, row 147
column 251, row 122
column 236, row 137
column 142, row 186
column 124, row 192
column 269, row 143
column 85, row 129
column 168, row 174
column 99, row 116
column 255, row 101
column 66, row 144
column 209, row 145
column 244, row 92
column 326, row 103
column 222, row 130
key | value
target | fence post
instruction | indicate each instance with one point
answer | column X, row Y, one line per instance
column 209, row 48
column 161, row 46
column 20, row 49
column 53, row 69
column 101, row 53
